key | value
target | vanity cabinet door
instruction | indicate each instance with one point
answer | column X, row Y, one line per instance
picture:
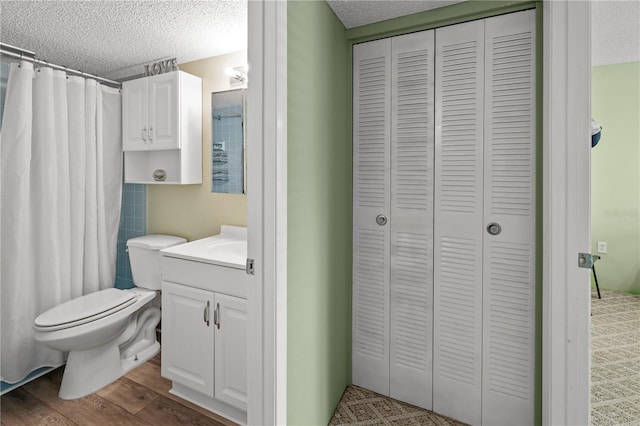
column 231, row 350
column 187, row 336
column 135, row 115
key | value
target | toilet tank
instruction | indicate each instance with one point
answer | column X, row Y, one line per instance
column 144, row 256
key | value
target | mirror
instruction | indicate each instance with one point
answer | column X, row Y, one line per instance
column 228, row 146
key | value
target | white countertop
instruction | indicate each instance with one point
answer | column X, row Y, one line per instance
column 229, row 248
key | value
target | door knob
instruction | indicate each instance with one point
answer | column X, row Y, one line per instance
column 494, row 228
column 381, row 220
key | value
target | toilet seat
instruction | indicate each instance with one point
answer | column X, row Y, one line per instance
column 84, row 309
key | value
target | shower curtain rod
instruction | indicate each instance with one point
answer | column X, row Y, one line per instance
column 54, row 66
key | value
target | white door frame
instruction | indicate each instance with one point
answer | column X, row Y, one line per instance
column 566, row 212
column 267, row 213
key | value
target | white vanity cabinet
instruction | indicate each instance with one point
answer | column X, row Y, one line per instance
column 188, row 336
column 204, row 324
column 230, row 353
column 205, row 342
column 162, row 128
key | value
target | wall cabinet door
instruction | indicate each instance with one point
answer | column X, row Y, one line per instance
column 150, row 113
column 188, row 337
column 231, row 351
column 164, row 117
column 135, row 115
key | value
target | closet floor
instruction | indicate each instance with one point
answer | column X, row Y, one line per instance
column 362, row 407
column 139, row 398
column 615, row 375
column 615, row 359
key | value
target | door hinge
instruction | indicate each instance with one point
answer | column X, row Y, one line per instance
column 585, row 260
column 250, row 267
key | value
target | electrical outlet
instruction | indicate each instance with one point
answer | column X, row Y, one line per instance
column 602, row 247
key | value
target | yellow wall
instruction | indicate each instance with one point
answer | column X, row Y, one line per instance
column 192, row 211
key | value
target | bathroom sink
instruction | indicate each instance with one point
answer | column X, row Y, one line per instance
column 229, row 248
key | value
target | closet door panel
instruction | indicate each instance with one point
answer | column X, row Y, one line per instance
column 371, row 199
column 509, row 270
column 458, row 228
column 411, row 310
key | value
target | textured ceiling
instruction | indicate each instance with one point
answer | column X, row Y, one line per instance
column 615, row 32
column 615, row 36
column 113, row 39
column 354, row 13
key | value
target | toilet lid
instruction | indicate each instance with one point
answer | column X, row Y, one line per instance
column 87, row 308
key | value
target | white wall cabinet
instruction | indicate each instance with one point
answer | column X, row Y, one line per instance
column 444, row 146
column 162, row 128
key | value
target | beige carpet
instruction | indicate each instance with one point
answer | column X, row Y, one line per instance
column 359, row 407
column 615, row 359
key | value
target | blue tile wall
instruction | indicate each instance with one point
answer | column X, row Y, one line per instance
column 133, row 223
column 228, row 174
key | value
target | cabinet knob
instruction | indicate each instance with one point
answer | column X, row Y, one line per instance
column 494, row 228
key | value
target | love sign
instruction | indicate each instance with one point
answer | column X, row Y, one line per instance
column 161, row 67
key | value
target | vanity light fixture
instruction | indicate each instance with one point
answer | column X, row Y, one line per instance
column 237, row 75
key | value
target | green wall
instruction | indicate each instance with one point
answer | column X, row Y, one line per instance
column 319, row 213
column 615, row 175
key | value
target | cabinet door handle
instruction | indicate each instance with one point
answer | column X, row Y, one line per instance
column 151, row 134
column 216, row 316
column 144, row 138
column 206, row 314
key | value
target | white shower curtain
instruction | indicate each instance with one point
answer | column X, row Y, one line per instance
column 60, row 190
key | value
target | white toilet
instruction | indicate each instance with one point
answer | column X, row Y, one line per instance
column 109, row 332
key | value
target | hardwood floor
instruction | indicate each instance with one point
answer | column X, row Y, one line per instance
column 140, row 398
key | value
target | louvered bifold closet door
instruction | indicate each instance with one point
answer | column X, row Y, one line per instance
column 458, row 229
column 411, row 310
column 509, row 266
column 371, row 199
